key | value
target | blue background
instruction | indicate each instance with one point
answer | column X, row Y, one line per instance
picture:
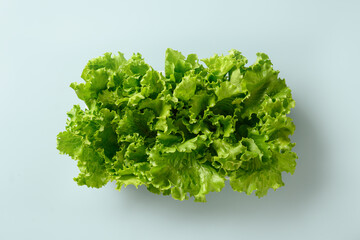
column 44, row 46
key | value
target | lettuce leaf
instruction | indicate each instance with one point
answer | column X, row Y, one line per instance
column 185, row 133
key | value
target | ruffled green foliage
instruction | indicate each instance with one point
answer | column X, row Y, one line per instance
column 184, row 133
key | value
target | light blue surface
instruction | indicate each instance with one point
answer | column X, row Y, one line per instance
column 44, row 46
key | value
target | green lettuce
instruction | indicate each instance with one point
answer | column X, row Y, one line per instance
column 185, row 132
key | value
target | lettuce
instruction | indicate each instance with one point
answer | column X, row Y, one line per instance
column 185, row 132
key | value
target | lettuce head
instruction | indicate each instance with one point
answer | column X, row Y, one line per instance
column 183, row 132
